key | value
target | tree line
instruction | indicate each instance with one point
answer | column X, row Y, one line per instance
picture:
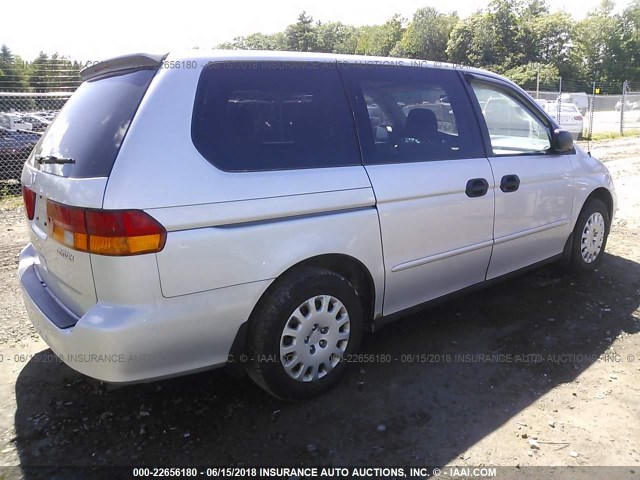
column 44, row 74
column 521, row 39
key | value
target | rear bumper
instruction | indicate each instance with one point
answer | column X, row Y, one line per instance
column 575, row 129
column 134, row 343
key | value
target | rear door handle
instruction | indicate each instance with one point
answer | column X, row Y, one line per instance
column 510, row 183
column 477, row 187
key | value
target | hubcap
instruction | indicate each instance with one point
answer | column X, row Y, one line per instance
column 314, row 338
column 592, row 237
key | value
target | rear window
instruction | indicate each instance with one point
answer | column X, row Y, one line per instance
column 91, row 126
column 252, row 116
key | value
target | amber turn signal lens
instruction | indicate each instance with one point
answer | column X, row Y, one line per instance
column 105, row 232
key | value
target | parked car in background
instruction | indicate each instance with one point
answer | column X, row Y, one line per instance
column 579, row 99
column 38, row 123
column 15, row 147
column 506, row 117
column 47, row 115
column 13, row 121
column 568, row 117
column 542, row 102
column 628, row 105
column 266, row 209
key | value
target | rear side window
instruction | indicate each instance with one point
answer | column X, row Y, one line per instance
column 91, row 126
column 408, row 114
column 252, row 116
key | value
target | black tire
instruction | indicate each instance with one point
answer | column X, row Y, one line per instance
column 578, row 263
column 272, row 314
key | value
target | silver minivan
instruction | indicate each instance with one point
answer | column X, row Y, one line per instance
column 264, row 210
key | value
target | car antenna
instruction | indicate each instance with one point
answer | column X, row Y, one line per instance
column 590, row 126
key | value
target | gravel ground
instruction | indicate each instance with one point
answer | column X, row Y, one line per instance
column 569, row 396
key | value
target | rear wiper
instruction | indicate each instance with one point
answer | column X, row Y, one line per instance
column 50, row 159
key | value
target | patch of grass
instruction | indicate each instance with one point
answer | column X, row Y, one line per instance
column 10, row 189
column 10, row 202
column 611, row 135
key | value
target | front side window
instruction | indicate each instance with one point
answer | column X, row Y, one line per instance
column 513, row 128
column 409, row 114
column 253, row 116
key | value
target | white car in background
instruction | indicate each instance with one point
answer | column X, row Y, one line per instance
column 38, row 123
column 11, row 121
column 542, row 102
column 627, row 105
column 579, row 99
column 568, row 117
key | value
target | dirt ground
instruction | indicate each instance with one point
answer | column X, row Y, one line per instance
column 543, row 369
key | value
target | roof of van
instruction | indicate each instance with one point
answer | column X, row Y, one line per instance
column 273, row 55
column 147, row 60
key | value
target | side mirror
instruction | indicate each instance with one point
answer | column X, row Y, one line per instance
column 561, row 141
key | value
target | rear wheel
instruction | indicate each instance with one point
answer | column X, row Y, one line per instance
column 302, row 332
column 590, row 236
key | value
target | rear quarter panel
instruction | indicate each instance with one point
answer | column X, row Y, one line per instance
column 208, row 258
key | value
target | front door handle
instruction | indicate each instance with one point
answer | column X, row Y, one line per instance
column 510, row 183
column 477, row 187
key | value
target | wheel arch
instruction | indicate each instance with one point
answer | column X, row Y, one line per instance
column 354, row 271
column 600, row 193
column 603, row 194
column 348, row 266
column 345, row 265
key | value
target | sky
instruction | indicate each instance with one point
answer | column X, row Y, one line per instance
column 89, row 31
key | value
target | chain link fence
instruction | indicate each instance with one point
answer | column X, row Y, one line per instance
column 590, row 110
column 23, row 118
column 604, row 110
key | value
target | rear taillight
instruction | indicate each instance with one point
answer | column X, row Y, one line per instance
column 29, row 197
column 578, row 117
column 105, row 232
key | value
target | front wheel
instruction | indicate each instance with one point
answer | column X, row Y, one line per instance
column 590, row 236
column 302, row 333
